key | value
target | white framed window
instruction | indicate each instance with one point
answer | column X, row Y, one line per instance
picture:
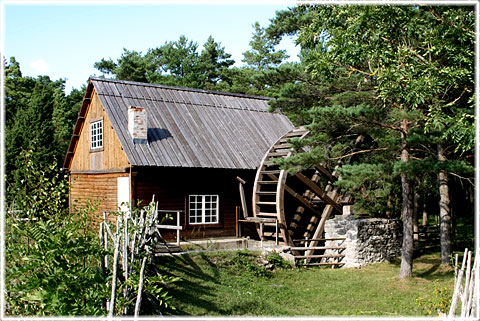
column 203, row 209
column 96, row 134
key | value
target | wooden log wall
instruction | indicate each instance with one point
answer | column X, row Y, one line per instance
column 95, row 187
column 172, row 186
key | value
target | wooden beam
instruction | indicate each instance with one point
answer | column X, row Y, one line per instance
column 317, row 190
column 101, row 171
column 303, row 200
column 324, row 171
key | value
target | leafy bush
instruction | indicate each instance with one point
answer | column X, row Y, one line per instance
column 438, row 303
column 51, row 255
column 245, row 261
column 277, row 261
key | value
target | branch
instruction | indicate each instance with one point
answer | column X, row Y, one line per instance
column 461, row 177
column 436, row 16
column 359, row 152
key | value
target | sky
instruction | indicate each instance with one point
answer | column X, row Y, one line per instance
column 64, row 41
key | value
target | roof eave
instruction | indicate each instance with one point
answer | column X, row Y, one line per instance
column 78, row 126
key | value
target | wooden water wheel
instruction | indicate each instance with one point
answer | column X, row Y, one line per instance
column 301, row 202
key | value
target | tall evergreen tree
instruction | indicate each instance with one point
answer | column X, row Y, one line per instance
column 39, row 117
column 262, row 53
column 380, row 74
column 214, row 62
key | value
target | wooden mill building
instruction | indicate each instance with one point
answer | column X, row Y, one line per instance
column 185, row 146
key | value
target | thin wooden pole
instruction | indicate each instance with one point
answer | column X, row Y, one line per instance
column 125, row 255
column 140, row 287
column 237, row 231
column 178, row 228
column 466, row 286
column 276, row 231
column 114, row 276
column 458, row 285
column 102, row 244
column 471, row 289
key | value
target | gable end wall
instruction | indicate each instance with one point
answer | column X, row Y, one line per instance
column 111, row 157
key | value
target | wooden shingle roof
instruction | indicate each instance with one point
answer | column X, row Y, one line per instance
column 190, row 127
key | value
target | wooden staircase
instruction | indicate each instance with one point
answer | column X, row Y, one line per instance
column 301, row 203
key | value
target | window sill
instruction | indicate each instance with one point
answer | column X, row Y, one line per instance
column 208, row 225
column 96, row 150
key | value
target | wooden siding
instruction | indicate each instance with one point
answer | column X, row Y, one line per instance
column 111, row 156
column 172, row 187
column 95, row 187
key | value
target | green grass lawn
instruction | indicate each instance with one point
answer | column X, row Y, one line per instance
column 217, row 283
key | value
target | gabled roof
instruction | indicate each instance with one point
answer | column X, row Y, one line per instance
column 188, row 127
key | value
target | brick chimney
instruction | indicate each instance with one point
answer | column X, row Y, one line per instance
column 137, row 124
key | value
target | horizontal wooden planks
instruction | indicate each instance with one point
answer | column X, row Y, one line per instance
column 101, row 188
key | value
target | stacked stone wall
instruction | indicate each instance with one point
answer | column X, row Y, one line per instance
column 367, row 240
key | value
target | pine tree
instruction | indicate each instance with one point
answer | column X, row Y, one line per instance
column 386, row 75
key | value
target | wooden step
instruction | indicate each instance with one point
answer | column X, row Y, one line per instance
column 282, row 146
column 265, row 193
column 267, row 214
column 274, row 171
column 295, row 133
column 269, row 163
column 319, row 256
column 267, row 182
column 266, row 203
column 329, row 263
column 322, row 239
column 275, row 154
column 164, row 249
column 303, row 248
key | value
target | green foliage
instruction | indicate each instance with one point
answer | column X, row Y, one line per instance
column 155, row 286
column 245, row 261
column 262, row 54
column 175, row 63
column 366, row 69
column 277, row 261
column 51, row 256
column 371, row 185
column 437, row 303
column 40, row 117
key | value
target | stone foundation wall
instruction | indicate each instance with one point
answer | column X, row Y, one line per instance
column 368, row 240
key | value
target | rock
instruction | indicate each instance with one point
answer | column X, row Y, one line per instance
column 289, row 258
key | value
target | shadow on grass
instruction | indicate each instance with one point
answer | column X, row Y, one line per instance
column 192, row 286
column 428, row 267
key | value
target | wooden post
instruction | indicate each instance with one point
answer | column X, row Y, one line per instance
column 114, row 276
column 458, row 286
column 466, row 286
column 125, row 255
column 102, row 244
column 261, row 234
column 140, row 288
column 178, row 228
column 306, row 245
column 237, row 231
column 276, row 231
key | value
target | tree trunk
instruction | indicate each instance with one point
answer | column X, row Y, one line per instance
column 445, row 217
column 416, row 210
column 407, row 212
column 425, row 214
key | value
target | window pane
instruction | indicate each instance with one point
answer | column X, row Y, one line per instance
column 203, row 209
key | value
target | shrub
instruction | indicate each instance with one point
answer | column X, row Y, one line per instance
column 51, row 256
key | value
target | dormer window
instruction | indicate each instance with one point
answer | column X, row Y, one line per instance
column 96, row 135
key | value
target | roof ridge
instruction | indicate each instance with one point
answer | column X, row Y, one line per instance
column 192, row 103
column 205, row 91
